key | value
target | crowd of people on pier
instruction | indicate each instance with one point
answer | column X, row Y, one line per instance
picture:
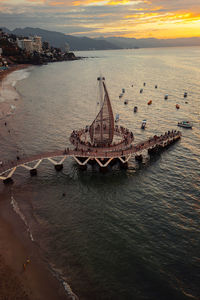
column 76, row 139
column 108, row 150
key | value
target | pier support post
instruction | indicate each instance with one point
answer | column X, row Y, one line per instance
column 124, row 165
column 33, row 172
column 92, row 162
column 59, row 167
column 103, row 169
column 83, row 167
column 139, row 158
column 8, row 180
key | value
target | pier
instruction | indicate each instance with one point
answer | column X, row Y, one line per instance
column 101, row 143
column 102, row 157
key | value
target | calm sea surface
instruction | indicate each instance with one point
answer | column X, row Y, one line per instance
column 131, row 234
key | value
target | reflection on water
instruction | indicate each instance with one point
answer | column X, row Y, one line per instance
column 125, row 234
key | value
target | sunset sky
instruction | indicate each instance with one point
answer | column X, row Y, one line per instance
column 95, row 18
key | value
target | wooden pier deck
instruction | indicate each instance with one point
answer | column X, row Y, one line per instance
column 102, row 156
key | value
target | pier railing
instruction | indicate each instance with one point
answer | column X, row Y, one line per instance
column 102, row 156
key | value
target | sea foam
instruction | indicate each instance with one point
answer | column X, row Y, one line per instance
column 21, row 215
column 8, row 91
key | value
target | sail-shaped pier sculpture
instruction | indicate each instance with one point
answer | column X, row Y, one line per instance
column 102, row 137
column 102, row 128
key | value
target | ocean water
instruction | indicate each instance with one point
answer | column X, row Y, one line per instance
column 131, row 234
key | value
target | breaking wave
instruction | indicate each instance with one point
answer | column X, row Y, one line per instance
column 16, row 208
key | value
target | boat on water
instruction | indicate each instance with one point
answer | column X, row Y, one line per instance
column 144, row 123
column 185, row 124
column 177, row 106
column 135, row 109
column 120, row 95
column 117, row 118
column 185, row 95
column 166, row 96
column 126, row 101
column 149, row 102
column 141, row 90
column 123, row 91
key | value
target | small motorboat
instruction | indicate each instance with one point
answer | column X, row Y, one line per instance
column 126, row 101
column 144, row 123
column 166, row 96
column 185, row 124
column 177, row 106
column 185, row 95
column 123, row 91
column 141, row 90
column 144, row 83
column 149, row 102
column 135, row 109
column 117, row 118
column 156, row 86
column 120, row 95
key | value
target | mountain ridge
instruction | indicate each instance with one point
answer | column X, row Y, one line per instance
column 58, row 39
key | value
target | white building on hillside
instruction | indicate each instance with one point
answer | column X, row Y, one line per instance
column 37, row 43
column 31, row 44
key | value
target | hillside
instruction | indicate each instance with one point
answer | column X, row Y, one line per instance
column 57, row 39
column 152, row 42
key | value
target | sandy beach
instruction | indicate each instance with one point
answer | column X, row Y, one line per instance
column 6, row 107
column 24, row 271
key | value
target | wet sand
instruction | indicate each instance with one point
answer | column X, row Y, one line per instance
column 19, row 278
column 6, row 107
column 35, row 281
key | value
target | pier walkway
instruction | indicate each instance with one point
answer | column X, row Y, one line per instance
column 102, row 156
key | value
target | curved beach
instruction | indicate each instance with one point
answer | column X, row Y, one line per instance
column 24, row 272
column 8, row 95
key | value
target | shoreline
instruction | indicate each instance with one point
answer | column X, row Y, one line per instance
column 34, row 280
column 9, row 105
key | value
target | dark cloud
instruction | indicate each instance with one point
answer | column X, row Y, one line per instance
column 92, row 19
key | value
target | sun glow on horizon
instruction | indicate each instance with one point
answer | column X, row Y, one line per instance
column 125, row 18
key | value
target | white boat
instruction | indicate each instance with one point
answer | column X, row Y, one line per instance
column 117, row 118
column 144, row 123
column 185, row 124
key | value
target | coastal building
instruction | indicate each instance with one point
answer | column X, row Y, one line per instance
column 31, row 44
column 28, row 45
column 37, row 43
